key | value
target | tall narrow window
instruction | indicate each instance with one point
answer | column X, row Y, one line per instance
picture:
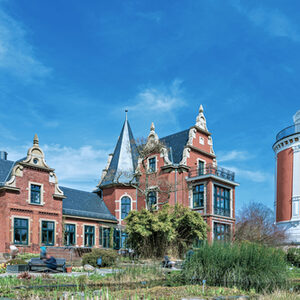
column 89, row 236
column 221, row 232
column 21, row 231
column 101, row 236
column 106, row 237
column 151, row 199
column 200, row 167
column 198, row 196
column 125, row 207
column 70, row 239
column 35, row 194
column 48, row 233
column 152, row 164
column 124, row 237
column 117, row 239
column 221, row 201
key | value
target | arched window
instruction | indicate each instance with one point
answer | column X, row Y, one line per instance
column 125, row 207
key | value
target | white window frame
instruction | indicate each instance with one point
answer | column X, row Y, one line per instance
column 148, row 164
column 55, row 233
column 213, row 198
column 41, row 193
column 156, row 193
column 120, row 205
column 71, row 223
column 13, row 217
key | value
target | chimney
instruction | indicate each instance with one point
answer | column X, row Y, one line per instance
column 3, row 155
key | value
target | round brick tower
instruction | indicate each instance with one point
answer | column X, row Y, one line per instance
column 287, row 179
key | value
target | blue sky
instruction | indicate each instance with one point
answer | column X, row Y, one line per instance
column 68, row 69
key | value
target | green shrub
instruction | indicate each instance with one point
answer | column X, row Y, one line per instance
column 243, row 265
column 16, row 261
column 293, row 256
column 26, row 256
column 109, row 257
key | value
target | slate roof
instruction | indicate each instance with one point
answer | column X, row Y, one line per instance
column 124, row 160
column 85, row 204
column 176, row 143
column 5, row 170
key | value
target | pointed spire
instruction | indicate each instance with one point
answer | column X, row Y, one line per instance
column 35, row 140
column 200, row 120
column 201, row 109
column 122, row 164
column 126, row 111
column 152, row 128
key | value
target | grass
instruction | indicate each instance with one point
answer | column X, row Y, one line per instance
column 138, row 281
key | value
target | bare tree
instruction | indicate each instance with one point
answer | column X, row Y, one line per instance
column 256, row 223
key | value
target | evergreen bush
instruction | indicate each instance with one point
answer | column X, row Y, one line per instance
column 243, row 265
column 169, row 230
column 293, row 256
column 108, row 256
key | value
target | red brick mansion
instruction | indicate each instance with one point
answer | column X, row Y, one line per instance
column 179, row 168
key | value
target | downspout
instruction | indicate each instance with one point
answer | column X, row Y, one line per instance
column 175, row 183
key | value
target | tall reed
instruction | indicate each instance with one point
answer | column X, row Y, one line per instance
column 245, row 266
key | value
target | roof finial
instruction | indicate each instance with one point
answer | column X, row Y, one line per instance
column 35, row 140
column 201, row 109
column 126, row 111
column 152, row 128
column 200, row 120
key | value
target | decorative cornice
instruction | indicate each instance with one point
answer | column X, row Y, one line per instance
column 10, row 188
column 86, row 218
column 290, row 141
column 202, row 151
column 206, row 132
column 217, row 178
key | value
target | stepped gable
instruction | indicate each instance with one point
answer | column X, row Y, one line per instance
column 175, row 144
column 124, row 159
column 85, row 204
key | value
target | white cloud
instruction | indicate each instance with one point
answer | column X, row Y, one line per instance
column 234, row 155
column 273, row 21
column 160, row 99
column 16, row 54
column 255, row 176
column 151, row 16
column 75, row 167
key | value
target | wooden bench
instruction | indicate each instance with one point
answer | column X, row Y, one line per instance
column 36, row 264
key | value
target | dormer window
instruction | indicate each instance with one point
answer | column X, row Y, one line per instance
column 152, row 164
column 35, row 194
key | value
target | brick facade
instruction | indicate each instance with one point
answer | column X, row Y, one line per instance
column 177, row 165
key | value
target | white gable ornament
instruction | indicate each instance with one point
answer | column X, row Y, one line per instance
column 200, row 120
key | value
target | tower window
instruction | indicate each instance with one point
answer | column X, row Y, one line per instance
column 152, row 164
column 125, row 207
column 35, row 194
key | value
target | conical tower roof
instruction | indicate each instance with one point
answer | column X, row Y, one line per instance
column 124, row 159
